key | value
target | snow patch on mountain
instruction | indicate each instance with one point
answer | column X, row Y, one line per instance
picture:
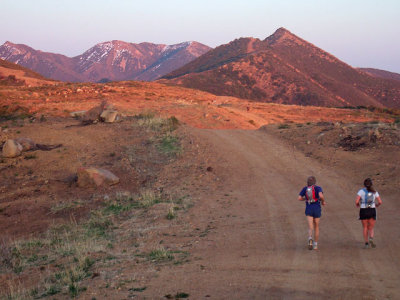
column 169, row 48
column 118, row 54
column 95, row 55
column 9, row 51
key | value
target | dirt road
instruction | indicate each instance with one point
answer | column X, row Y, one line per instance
column 255, row 244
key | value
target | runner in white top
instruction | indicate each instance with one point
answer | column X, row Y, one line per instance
column 368, row 199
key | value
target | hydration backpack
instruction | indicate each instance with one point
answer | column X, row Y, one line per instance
column 369, row 198
column 311, row 196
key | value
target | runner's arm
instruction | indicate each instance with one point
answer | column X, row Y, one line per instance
column 321, row 196
column 379, row 201
column 358, row 201
column 301, row 198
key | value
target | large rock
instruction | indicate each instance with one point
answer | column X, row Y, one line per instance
column 91, row 176
column 104, row 112
column 26, row 143
column 93, row 114
column 109, row 116
column 11, row 148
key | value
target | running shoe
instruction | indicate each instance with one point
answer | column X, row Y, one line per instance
column 371, row 242
column 366, row 246
column 315, row 246
column 310, row 244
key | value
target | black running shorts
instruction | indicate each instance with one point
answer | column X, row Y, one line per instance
column 367, row 213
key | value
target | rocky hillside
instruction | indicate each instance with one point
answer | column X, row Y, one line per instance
column 286, row 69
column 109, row 61
column 16, row 75
column 381, row 73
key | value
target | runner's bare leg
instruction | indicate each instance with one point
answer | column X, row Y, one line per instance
column 310, row 226
column 316, row 229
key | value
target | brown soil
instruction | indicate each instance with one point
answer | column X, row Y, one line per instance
column 256, row 247
column 195, row 108
column 241, row 234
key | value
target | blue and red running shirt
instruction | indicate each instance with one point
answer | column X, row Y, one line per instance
column 317, row 190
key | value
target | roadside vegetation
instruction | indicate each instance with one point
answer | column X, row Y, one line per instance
column 165, row 140
column 67, row 256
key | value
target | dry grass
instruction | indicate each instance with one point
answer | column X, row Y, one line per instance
column 69, row 247
column 148, row 198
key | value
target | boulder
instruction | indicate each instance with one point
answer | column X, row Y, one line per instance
column 77, row 114
column 104, row 112
column 92, row 114
column 109, row 116
column 11, row 148
column 27, row 144
column 90, row 176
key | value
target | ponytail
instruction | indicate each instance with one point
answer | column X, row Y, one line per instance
column 368, row 185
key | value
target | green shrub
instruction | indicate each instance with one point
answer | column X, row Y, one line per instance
column 160, row 254
column 98, row 225
column 151, row 122
column 173, row 123
column 283, row 126
column 170, row 145
column 171, row 213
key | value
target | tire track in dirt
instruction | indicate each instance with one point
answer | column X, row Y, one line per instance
column 261, row 251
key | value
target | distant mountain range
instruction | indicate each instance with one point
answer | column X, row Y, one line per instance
column 286, row 69
column 282, row 68
column 109, row 61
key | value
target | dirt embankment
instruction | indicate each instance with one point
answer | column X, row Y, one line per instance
column 357, row 150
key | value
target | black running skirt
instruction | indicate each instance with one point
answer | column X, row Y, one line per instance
column 367, row 213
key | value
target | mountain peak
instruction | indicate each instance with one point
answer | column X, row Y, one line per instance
column 281, row 31
column 283, row 35
column 9, row 49
column 8, row 43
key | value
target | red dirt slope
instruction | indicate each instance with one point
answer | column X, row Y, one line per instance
column 284, row 68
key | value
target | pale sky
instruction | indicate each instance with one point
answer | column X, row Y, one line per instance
column 362, row 33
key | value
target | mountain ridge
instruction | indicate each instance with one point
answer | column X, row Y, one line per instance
column 381, row 73
column 111, row 60
column 283, row 68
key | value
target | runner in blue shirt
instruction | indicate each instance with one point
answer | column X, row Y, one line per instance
column 314, row 197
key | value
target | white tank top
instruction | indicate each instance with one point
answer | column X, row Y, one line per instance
column 367, row 198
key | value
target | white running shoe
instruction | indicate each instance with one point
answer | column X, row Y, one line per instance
column 315, row 246
column 372, row 244
column 310, row 244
